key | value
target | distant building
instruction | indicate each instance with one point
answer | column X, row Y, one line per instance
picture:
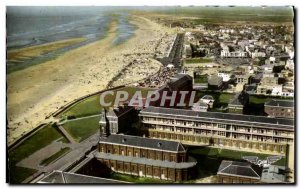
column 274, row 174
column 258, row 54
column 188, row 51
column 238, row 103
column 200, row 106
column 234, row 54
column 208, row 100
column 269, row 86
column 180, row 82
column 238, row 172
column 215, row 82
column 280, row 108
column 242, row 79
column 225, row 75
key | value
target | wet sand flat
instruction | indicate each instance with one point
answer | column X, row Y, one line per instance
column 36, row 91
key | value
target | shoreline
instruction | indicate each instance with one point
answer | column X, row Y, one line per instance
column 35, row 92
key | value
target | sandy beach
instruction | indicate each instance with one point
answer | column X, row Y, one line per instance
column 36, row 91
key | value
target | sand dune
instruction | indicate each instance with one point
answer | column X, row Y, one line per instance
column 38, row 90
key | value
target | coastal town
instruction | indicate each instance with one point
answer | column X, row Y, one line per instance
column 240, row 127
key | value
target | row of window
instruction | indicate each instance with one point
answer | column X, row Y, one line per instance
column 143, row 154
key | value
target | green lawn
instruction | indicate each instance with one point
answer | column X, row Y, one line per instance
column 197, row 60
column 83, row 128
column 258, row 99
column 91, row 105
column 18, row 174
column 136, row 179
column 229, row 154
column 55, row 156
column 201, row 79
column 40, row 139
column 221, row 99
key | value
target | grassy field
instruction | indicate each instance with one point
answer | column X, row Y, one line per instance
column 91, row 105
column 197, row 60
column 55, row 156
column 40, row 139
column 201, row 79
column 256, row 104
column 229, row 154
column 36, row 142
column 256, row 99
column 221, row 99
column 83, row 128
column 209, row 159
column 18, row 174
column 29, row 52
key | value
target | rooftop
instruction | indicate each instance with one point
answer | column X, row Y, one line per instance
column 222, row 117
column 281, row 103
column 143, row 142
column 59, row 177
column 240, row 169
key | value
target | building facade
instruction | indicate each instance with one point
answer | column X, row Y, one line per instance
column 239, row 132
column 280, row 108
column 145, row 157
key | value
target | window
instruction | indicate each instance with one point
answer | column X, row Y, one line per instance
column 221, row 126
column 221, row 133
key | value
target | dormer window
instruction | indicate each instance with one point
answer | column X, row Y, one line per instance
column 159, row 144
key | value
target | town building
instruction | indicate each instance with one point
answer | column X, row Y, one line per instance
column 242, row 79
column 238, row 172
column 280, row 108
column 239, row 103
column 225, row 75
column 274, row 174
column 236, row 131
column 208, row 100
column 200, row 106
column 214, row 82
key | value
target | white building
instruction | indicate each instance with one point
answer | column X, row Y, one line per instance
column 237, row 54
column 208, row 100
column 258, row 54
column 225, row 75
